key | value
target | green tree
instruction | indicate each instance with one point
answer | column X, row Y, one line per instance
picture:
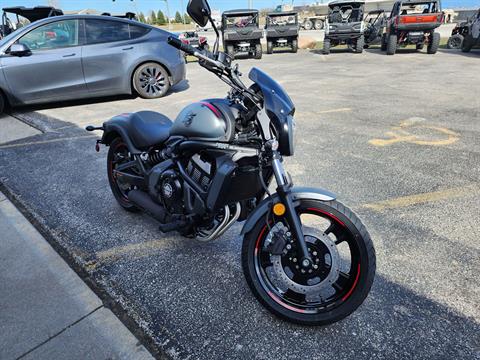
column 153, row 18
column 141, row 18
column 178, row 18
column 188, row 19
column 161, row 20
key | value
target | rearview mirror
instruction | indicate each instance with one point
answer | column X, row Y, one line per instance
column 19, row 50
column 199, row 11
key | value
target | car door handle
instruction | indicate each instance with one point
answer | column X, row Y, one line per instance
column 129, row 48
column 69, row 55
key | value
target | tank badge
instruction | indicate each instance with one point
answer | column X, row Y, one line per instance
column 189, row 119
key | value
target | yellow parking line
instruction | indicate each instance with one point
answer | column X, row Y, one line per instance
column 138, row 249
column 405, row 201
column 148, row 248
column 334, row 111
column 46, row 141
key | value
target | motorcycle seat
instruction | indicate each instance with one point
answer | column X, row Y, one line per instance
column 148, row 128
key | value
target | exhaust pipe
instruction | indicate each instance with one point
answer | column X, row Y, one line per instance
column 145, row 202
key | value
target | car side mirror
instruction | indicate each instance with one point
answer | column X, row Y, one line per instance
column 19, row 50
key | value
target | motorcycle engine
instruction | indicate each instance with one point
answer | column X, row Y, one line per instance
column 171, row 193
column 201, row 171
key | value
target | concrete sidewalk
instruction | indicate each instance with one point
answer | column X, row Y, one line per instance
column 46, row 310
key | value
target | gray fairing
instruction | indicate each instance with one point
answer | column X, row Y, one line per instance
column 298, row 193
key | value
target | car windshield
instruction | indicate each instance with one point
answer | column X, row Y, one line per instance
column 241, row 21
column 419, row 8
column 281, row 20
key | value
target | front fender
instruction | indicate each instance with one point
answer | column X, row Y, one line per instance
column 297, row 194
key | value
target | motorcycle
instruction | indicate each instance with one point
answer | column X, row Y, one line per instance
column 306, row 257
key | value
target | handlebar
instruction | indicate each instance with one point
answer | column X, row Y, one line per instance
column 177, row 43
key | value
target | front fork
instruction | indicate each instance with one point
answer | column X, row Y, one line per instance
column 285, row 194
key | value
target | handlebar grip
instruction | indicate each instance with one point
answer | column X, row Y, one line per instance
column 177, row 43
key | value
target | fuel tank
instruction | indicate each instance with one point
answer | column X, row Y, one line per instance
column 208, row 120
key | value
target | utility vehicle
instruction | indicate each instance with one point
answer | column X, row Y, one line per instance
column 345, row 25
column 455, row 41
column 282, row 30
column 472, row 35
column 375, row 23
column 31, row 14
column 413, row 22
column 241, row 33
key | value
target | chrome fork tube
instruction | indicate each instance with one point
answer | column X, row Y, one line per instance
column 278, row 171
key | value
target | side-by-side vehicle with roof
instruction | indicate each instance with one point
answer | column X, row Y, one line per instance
column 241, row 33
column 281, row 30
column 29, row 14
column 413, row 22
column 345, row 25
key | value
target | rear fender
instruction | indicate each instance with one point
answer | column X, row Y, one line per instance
column 298, row 193
column 115, row 127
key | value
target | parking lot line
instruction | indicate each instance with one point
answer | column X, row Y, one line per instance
column 137, row 250
column 46, row 141
column 143, row 249
column 405, row 201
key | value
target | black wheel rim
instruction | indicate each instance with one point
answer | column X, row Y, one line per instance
column 327, row 296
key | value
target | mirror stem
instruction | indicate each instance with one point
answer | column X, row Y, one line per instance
column 215, row 46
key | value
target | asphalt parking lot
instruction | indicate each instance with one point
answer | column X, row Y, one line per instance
column 396, row 137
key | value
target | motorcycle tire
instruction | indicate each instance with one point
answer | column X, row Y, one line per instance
column 118, row 153
column 290, row 293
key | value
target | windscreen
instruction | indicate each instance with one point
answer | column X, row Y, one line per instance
column 282, row 20
column 275, row 97
column 419, row 8
column 241, row 21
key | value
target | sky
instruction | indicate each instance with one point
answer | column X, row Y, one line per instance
column 122, row 6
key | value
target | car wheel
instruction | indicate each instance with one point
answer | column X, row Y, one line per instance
column 359, row 44
column 391, row 44
column 150, row 81
column 295, row 45
column 434, row 42
column 318, row 25
column 269, row 47
column 467, row 43
column 384, row 42
column 308, row 25
column 258, row 51
column 455, row 42
column 326, row 46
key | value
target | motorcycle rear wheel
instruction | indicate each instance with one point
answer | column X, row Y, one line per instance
column 341, row 249
column 118, row 153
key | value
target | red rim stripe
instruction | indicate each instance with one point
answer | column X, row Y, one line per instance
column 329, row 215
column 354, row 284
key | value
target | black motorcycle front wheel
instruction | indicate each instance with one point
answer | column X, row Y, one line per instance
column 336, row 285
